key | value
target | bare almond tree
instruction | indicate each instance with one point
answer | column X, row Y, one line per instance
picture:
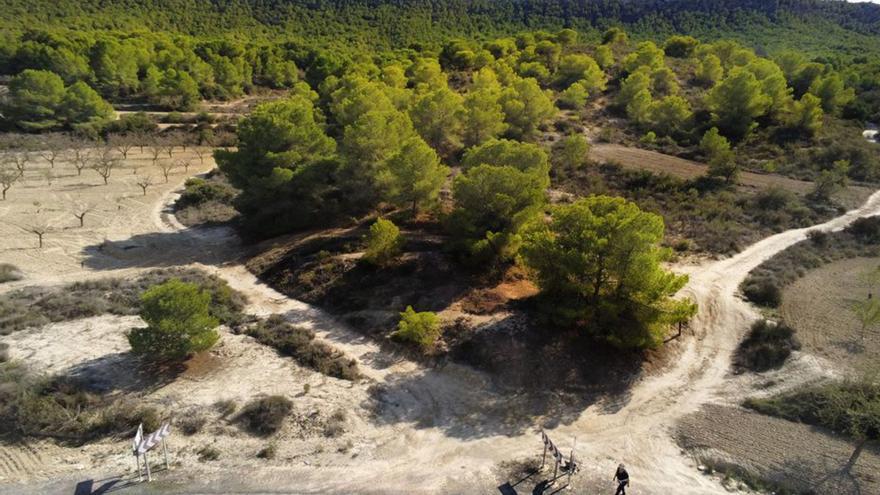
column 39, row 228
column 82, row 156
column 8, row 177
column 144, row 183
column 155, row 151
column 20, row 160
column 104, row 164
column 201, row 153
column 166, row 166
column 122, row 143
column 52, row 149
column 181, row 163
column 80, row 210
column 168, row 147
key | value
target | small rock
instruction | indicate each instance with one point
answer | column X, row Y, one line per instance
column 701, row 468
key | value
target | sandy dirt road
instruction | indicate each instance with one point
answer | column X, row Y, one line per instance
column 445, row 430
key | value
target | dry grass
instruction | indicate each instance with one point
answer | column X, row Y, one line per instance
column 659, row 163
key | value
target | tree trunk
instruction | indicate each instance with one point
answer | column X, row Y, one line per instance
column 40, row 237
column 860, row 446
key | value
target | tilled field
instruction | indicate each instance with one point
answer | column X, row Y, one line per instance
column 797, row 456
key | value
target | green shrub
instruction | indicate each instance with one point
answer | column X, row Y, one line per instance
column 266, row 415
column 299, row 343
column 383, row 243
column 422, row 328
column 9, row 273
column 767, row 346
column 178, row 322
column 4, row 352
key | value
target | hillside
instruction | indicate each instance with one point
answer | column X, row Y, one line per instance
column 813, row 25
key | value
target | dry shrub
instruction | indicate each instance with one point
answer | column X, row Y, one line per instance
column 266, row 415
column 299, row 343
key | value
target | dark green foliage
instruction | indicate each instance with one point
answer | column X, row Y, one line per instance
column 34, row 306
column 178, row 322
column 63, row 409
column 191, row 424
column 767, row 346
column 300, row 343
column 199, row 191
column 266, row 415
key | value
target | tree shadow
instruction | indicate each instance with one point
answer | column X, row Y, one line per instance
column 522, row 377
column 206, row 245
column 851, row 346
column 102, row 374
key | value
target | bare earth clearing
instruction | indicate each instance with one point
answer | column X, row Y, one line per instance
column 818, row 306
column 408, row 428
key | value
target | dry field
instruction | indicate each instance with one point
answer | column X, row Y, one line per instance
column 120, row 216
column 659, row 163
column 818, row 306
column 799, row 456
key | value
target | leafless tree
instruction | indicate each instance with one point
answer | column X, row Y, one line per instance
column 144, row 183
column 8, row 177
column 20, row 160
column 142, row 138
column 155, row 151
column 166, row 166
column 201, row 153
column 105, row 162
column 181, row 163
column 80, row 210
column 39, row 228
column 122, row 143
column 168, row 147
column 52, row 149
column 82, row 156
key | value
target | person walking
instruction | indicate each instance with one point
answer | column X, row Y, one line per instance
column 622, row 478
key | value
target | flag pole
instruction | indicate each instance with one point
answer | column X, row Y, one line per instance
column 165, row 451
column 147, row 463
column 137, row 459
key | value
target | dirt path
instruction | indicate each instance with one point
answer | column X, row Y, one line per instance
column 438, row 428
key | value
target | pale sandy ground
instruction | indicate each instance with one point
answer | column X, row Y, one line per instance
column 437, row 430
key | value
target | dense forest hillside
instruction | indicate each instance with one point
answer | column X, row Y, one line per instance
column 811, row 24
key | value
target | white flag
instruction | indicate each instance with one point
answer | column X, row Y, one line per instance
column 138, row 437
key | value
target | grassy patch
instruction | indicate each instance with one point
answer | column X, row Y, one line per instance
column 61, row 408
column 299, row 343
column 266, row 415
column 35, row 306
column 764, row 284
column 767, row 346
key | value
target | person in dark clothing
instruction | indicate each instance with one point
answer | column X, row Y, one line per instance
column 622, row 478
